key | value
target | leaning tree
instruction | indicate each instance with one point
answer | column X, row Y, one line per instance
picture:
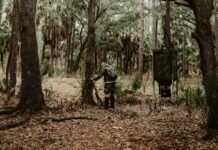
column 203, row 34
column 31, row 98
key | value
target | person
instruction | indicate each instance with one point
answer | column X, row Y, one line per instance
column 109, row 84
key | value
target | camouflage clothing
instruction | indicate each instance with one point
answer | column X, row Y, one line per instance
column 109, row 87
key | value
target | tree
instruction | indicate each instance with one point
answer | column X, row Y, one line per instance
column 166, row 26
column 142, row 37
column 13, row 49
column 203, row 34
column 1, row 6
column 31, row 98
column 216, row 28
column 87, row 90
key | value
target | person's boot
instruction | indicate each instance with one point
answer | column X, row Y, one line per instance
column 106, row 103
column 112, row 102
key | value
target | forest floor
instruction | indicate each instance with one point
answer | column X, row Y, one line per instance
column 129, row 126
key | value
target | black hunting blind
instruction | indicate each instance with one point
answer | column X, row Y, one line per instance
column 165, row 70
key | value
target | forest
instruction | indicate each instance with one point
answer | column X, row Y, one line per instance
column 109, row 74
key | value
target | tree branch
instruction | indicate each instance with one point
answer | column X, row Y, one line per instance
column 183, row 4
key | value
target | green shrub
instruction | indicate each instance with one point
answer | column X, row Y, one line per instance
column 136, row 84
column 194, row 96
column 119, row 87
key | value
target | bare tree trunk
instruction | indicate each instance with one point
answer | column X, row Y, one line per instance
column 69, row 42
column 31, row 98
column 166, row 26
column 1, row 6
column 204, row 36
column 72, row 46
column 216, row 30
column 87, row 90
column 13, row 49
column 1, row 54
column 142, row 37
column 77, row 61
column 154, row 36
column 43, row 53
column 154, row 25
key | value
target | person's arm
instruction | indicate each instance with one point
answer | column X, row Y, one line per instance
column 99, row 76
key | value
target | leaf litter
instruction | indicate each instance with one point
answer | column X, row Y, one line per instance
column 127, row 127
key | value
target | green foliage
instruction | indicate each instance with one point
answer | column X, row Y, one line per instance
column 193, row 96
column 49, row 92
column 119, row 87
column 3, row 85
column 136, row 84
column 44, row 68
column 59, row 72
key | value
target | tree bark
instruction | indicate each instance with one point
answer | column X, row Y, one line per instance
column 87, row 90
column 31, row 98
column 204, row 36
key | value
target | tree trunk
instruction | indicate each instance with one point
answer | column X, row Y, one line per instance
column 216, row 30
column 142, row 37
column 1, row 53
column 154, row 25
column 77, row 61
column 72, row 46
column 31, row 98
column 69, row 42
column 43, row 53
column 13, row 49
column 204, row 36
column 166, row 27
column 1, row 6
column 87, row 90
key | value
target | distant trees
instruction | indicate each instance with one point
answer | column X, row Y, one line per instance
column 31, row 98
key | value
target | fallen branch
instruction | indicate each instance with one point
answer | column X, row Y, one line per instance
column 65, row 118
column 13, row 124
column 7, row 111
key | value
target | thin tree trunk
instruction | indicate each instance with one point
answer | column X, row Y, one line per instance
column 1, row 54
column 1, row 6
column 69, row 40
column 13, row 49
column 43, row 53
column 87, row 90
column 154, row 36
column 166, row 27
column 154, row 25
column 31, row 98
column 216, row 30
column 72, row 46
column 141, row 47
column 77, row 61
